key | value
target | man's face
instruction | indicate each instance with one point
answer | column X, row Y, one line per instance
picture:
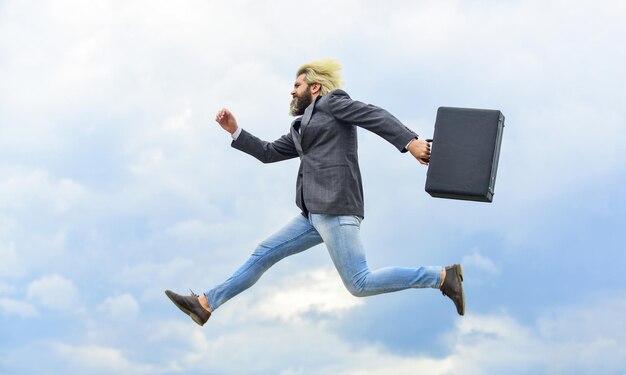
column 301, row 97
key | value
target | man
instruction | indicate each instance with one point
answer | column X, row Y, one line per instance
column 328, row 192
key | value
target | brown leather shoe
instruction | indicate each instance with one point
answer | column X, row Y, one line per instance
column 452, row 287
column 190, row 306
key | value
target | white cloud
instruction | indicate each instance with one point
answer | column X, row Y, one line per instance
column 480, row 267
column 96, row 359
column 577, row 339
column 176, row 270
column 141, row 82
column 19, row 308
column 493, row 344
column 10, row 265
column 483, row 263
column 587, row 337
column 7, row 226
column 316, row 291
column 123, row 306
column 188, row 346
column 53, row 291
column 6, row 288
column 191, row 230
column 582, row 339
column 24, row 190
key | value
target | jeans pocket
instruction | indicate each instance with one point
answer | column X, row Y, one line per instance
column 350, row 220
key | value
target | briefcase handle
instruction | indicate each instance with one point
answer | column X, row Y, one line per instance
column 429, row 140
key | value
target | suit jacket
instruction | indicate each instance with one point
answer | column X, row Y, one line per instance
column 329, row 179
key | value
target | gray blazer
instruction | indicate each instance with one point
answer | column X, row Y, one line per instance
column 325, row 139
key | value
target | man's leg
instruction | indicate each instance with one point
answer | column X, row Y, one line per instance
column 341, row 234
column 295, row 237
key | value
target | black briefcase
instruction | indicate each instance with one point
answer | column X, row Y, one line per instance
column 464, row 155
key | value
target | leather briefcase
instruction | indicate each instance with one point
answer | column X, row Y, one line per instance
column 464, row 154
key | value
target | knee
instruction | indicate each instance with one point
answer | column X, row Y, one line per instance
column 357, row 284
column 356, row 289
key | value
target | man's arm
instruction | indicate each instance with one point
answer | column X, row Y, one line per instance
column 380, row 122
column 267, row 152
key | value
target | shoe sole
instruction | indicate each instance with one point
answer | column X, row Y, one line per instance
column 459, row 272
column 193, row 316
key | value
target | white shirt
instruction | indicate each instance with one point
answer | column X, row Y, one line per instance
column 235, row 135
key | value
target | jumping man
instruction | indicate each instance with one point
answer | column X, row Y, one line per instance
column 329, row 193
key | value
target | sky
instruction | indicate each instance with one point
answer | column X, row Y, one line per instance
column 116, row 184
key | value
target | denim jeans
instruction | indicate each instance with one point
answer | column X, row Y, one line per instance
column 341, row 234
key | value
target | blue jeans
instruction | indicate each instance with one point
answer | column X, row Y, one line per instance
column 342, row 238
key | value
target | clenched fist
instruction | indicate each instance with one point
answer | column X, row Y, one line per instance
column 226, row 120
column 420, row 149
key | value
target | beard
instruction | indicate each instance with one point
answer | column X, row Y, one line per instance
column 300, row 102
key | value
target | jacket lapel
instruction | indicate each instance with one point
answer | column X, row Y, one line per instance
column 296, row 128
column 308, row 112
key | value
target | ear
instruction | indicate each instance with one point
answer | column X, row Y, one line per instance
column 315, row 88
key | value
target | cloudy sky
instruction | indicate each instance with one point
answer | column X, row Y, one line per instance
column 116, row 184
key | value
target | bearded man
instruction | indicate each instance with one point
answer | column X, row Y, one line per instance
column 329, row 193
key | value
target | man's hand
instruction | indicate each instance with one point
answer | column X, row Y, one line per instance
column 420, row 149
column 226, row 120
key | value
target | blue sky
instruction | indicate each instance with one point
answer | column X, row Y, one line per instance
column 116, row 184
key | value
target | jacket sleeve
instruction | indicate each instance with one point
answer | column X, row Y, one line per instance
column 267, row 152
column 370, row 117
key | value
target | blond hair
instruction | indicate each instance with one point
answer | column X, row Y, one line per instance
column 325, row 72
